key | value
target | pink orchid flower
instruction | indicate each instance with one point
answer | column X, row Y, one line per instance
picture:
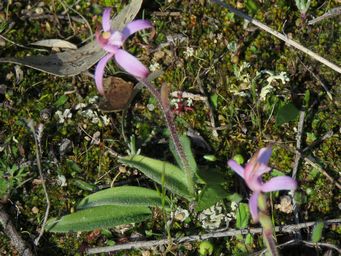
column 112, row 41
column 252, row 173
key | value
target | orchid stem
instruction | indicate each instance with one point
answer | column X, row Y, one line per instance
column 267, row 226
column 173, row 132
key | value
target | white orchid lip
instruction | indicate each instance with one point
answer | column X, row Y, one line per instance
column 116, row 39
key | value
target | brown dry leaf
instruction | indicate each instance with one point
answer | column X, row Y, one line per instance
column 55, row 43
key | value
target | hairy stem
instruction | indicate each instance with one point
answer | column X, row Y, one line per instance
column 268, row 238
column 173, row 132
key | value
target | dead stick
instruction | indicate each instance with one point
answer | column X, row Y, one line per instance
column 295, row 169
column 280, row 36
column 231, row 232
column 296, row 242
column 9, row 229
column 38, row 154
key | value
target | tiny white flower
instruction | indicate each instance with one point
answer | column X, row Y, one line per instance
column 93, row 99
column 63, row 116
column 95, row 120
column 60, row 116
column 234, row 206
column 80, row 106
column 155, row 66
column 180, row 214
column 67, row 113
column 88, row 113
column 61, row 180
column 105, row 120
column 189, row 52
column 150, row 107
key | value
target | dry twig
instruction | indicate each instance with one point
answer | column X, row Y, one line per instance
column 38, row 154
column 296, row 164
column 231, row 232
column 9, row 229
column 331, row 13
column 297, row 242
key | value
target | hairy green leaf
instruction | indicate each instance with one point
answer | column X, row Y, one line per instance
column 98, row 217
column 186, row 145
column 174, row 177
column 317, row 232
column 211, row 176
column 124, row 195
column 286, row 113
column 242, row 216
column 209, row 196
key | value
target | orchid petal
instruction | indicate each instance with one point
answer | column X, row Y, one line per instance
column 131, row 64
column 257, row 165
column 106, row 23
column 134, row 26
column 279, row 183
column 99, row 72
column 264, row 155
column 253, row 205
column 261, row 169
column 110, row 48
column 236, row 167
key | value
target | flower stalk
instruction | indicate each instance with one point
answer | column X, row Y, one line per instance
column 169, row 118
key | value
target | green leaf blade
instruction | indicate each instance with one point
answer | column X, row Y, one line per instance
column 186, row 145
column 209, row 196
column 242, row 216
column 286, row 113
column 125, row 196
column 98, row 217
column 317, row 232
column 174, row 177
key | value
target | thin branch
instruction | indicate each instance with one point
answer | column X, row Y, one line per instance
column 296, row 242
column 38, row 154
column 331, row 13
column 298, row 143
column 16, row 240
column 228, row 233
column 280, row 36
column 295, row 168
